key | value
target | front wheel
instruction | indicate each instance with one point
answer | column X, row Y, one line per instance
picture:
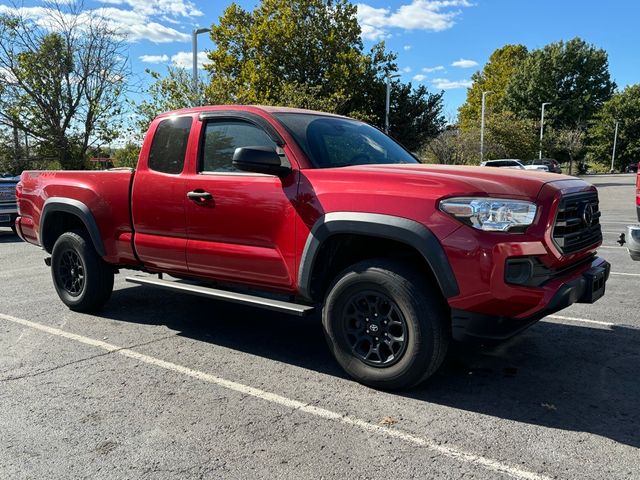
column 83, row 280
column 386, row 326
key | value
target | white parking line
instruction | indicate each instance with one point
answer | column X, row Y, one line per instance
column 606, row 246
column 626, row 274
column 448, row 451
column 615, row 222
column 581, row 320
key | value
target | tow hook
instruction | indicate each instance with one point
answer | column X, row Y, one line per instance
column 47, row 261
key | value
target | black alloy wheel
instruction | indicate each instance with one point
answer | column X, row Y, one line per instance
column 375, row 328
column 71, row 272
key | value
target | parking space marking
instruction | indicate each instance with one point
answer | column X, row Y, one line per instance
column 448, row 451
column 626, row 222
column 625, row 274
column 582, row 320
column 607, row 246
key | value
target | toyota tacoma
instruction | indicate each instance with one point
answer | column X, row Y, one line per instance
column 299, row 211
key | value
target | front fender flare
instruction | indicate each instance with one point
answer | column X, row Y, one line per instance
column 389, row 227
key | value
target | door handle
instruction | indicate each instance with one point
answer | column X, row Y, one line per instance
column 199, row 196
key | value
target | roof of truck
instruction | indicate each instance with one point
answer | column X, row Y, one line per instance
column 249, row 108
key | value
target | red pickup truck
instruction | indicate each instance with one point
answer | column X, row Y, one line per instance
column 297, row 211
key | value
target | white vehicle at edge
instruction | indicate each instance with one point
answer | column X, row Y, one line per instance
column 513, row 163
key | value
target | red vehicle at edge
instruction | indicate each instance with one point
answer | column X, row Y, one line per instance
column 331, row 214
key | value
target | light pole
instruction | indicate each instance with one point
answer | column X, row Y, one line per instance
column 542, row 128
column 194, row 51
column 388, row 101
column 484, row 94
column 615, row 141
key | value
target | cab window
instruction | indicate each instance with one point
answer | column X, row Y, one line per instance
column 221, row 138
column 169, row 145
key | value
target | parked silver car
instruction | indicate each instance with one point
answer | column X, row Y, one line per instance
column 513, row 163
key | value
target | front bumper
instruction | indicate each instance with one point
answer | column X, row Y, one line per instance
column 633, row 241
column 586, row 288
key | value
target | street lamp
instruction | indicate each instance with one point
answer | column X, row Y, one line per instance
column 615, row 141
column 542, row 128
column 386, row 114
column 484, row 94
column 194, row 49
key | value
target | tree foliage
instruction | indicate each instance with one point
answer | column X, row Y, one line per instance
column 126, row 156
column 310, row 43
column 309, row 54
column 573, row 76
column 62, row 82
column 494, row 78
column 624, row 106
column 171, row 92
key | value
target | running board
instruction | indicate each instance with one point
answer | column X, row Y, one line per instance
column 241, row 298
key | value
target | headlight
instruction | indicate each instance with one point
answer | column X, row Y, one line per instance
column 491, row 214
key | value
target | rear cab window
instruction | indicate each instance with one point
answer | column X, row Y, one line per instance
column 169, row 145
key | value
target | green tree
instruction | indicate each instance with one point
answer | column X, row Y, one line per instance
column 624, row 107
column 310, row 43
column 309, row 54
column 494, row 77
column 171, row 92
column 510, row 137
column 62, row 83
column 573, row 76
column 415, row 115
column 570, row 142
column 126, row 156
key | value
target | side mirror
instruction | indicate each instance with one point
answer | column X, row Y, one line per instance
column 259, row 160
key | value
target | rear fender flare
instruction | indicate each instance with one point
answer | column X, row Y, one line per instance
column 78, row 209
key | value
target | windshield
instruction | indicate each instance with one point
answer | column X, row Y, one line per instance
column 340, row 142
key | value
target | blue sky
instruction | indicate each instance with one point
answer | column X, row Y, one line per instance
column 440, row 43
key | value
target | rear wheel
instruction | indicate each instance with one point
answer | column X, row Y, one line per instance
column 83, row 280
column 386, row 326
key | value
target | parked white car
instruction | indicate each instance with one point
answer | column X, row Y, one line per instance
column 513, row 163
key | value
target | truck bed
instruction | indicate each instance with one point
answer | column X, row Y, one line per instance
column 106, row 194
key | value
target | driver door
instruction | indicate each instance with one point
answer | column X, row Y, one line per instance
column 242, row 229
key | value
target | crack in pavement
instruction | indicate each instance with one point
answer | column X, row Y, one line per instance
column 81, row 360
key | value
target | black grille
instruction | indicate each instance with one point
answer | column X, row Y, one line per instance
column 577, row 222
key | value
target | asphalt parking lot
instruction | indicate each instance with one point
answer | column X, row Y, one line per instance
column 168, row 386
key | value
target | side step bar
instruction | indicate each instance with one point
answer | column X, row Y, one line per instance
column 241, row 298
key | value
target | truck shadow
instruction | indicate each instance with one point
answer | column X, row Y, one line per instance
column 7, row 236
column 554, row 375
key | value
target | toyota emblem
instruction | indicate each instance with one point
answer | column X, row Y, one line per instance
column 587, row 215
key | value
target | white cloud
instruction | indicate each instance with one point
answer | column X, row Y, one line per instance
column 182, row 8
column 419, row 77
column 154, row 58
column 464, row 63
column 432, row 15
column 406, row 70
column 185, row 59
column 439, row 68
column 134, row 25
column 406, row 48
column 446, row 84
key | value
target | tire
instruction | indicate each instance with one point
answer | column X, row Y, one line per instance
column 83, row 280
column 389, row 295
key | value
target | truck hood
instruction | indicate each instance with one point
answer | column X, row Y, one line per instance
column 465, row 180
